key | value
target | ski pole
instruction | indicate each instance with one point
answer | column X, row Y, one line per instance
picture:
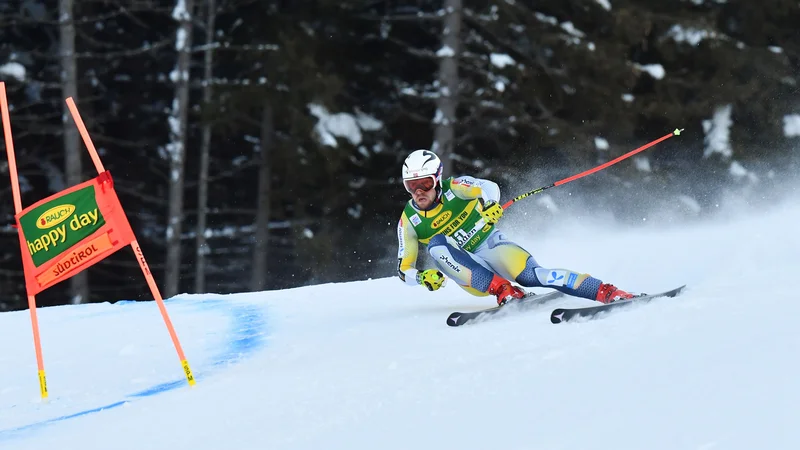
column 677, row 132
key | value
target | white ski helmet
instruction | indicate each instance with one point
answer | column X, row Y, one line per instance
column 422, row 165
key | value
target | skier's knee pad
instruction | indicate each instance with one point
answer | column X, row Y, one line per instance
column 528, row 275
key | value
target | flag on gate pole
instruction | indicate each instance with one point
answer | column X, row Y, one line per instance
column 69, row 231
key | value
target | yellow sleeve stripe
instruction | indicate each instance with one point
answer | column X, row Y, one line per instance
column 465, row 192
column 408, row 244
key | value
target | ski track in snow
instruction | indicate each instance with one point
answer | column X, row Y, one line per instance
column 246, row 336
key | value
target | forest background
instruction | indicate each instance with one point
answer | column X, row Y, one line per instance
column 257, row 144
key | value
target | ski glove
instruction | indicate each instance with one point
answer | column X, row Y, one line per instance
column 492, row 212
column 431, row 279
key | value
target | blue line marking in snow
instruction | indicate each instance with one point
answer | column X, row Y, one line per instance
column 249, row 325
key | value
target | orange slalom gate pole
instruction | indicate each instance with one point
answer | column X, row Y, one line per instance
column 12, row 170
column 136, row 249
column 85, row 135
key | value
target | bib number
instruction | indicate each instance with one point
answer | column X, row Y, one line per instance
column 461, row 237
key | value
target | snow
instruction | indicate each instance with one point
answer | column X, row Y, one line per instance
column 180, row 40
column 501, row 60
column 605, row 4
column 179, row 13
column 690, row 203
column 367, row 122
column 445, row 52
column 545, row 18
column 344, row 125
column 14, row 70
column 547, row 202
column 600, row 143
column 642, row 163
column 355, row 211
column 325, row 138
column 371, row 364
column 569, row 27
column 739, row 171
column 627, row 98
column 655, row 70
column 717, row 132
column 438, row 117
column 174, row 147
column 791, row 125
column 690, row 35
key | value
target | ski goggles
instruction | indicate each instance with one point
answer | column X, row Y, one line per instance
column 426, row 184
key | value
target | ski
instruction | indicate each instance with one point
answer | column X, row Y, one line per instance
column 530, row 300
column 560, row 315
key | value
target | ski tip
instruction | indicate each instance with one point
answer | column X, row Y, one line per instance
column 453, row 319
column 557, row 315
column 670, row 293
column 676, row 291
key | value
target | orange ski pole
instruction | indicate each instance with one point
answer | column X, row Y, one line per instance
column 677, row 132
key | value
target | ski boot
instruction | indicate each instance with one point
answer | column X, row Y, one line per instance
column 608, row 293
column 504, row 290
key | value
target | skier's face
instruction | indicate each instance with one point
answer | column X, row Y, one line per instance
column 424, row 198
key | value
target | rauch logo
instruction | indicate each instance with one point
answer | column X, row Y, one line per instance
column 54, row 216
column 441, row 219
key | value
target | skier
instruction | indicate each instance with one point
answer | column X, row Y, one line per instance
column 456, row 219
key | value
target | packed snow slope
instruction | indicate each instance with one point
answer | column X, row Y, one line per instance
column 372, row 365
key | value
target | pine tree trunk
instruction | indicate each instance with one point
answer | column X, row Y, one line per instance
column 205, row 149
column 261, row 248
column 177, row 146
column 447, row 102
column 79, row 284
